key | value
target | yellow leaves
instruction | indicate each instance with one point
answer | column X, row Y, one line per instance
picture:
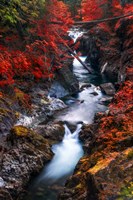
column 101, row 164
column 20, row 131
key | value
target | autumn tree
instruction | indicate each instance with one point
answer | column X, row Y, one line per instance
column 34, row 43
column 98, row 9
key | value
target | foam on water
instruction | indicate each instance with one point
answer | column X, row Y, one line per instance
column 67, row 154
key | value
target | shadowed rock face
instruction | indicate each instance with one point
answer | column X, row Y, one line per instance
column 89, row 48
column 68, row 80
column 108, row 89
column 111, row 50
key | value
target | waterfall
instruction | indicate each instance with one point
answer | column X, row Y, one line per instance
column 67, row 154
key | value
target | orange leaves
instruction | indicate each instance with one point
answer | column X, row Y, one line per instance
column 123, row 99
column 128, row 8
column 40, row 52
column 118, row 125
column 95, row 9
column 91, row 10
column 116, row 8
column 6, row 70
column 37, row 74
column 58, row 12
column 46, row 55
column 23, row 99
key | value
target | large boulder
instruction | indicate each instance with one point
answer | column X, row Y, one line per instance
column 108, row 89
column 67, row 79
column 52, row 131
column 25, row 155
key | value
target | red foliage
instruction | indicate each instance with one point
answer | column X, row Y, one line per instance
column 128, row 8
column 123, row 99
column 118, row 125
column 91, row 10
column 95, row 9
column 41, row 57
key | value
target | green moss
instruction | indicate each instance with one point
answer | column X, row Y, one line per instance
column 20, row 131
column 79, row 186
column 126, row 192
column 31, row 136
column 130, row 155
column 23, row 131
column 5, row 112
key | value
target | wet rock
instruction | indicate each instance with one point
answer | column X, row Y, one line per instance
column 53, row 131
column 94, row 93
column 89, row 48
column 43, row 109
column 83, row 86
column 56, row 104
column 57, row 90
column 84, row 44
column 87, row 134
column 67, row 79
column 108, row 88
column 106, row 100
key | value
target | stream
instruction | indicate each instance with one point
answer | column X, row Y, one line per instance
column 83, row 105
column 81, row 109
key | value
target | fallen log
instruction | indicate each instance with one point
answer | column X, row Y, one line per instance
column 74, row 54
column 102, row 20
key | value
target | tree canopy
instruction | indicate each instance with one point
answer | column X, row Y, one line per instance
column 29, row 43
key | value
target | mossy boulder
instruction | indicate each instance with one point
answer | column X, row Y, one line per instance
column 26, row 155
column 21, row 133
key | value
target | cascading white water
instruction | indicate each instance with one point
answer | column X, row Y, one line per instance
column 67, row 154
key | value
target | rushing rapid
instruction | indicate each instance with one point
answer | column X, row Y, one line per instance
column 67, row 154
column 52, row 179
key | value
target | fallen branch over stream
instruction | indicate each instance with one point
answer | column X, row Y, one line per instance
column 74, row 54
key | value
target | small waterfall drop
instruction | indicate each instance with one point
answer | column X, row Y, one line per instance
column 52, row 179
column 67, row 154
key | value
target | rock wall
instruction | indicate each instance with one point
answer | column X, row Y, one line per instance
column 66, row 77
column 109, row 51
